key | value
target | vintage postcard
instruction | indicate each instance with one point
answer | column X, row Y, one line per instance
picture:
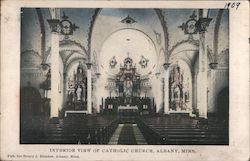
column 124, row 80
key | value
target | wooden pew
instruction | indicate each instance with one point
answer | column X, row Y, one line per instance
column 86, row 130
column 166, row 130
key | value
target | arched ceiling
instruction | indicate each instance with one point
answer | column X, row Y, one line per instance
column 70, row 51
column 110, row 20
column 30, row 30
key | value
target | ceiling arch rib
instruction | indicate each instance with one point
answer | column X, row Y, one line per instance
column 43, row 35
column 92, row 23
column 68, row 50
column 165, row 30
column 194, row 45
column 188, row 56
column 72, row 45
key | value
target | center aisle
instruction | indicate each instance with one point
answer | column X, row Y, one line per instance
column 127, row 134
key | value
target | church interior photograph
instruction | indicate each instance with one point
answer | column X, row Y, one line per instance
column 145, row 76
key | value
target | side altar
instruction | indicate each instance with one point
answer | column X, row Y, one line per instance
column 76, row 92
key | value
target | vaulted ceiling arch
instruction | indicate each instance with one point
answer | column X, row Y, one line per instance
column 97, row 12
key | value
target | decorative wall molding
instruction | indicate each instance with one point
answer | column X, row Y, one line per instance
column 32, row 73
column 128, row 20
column 91, row 26
column 30, row 59
column 95, row 63
column 165, row 31
column 158, row 37
column 54, row 13
column 30, row 51
column 71, row 43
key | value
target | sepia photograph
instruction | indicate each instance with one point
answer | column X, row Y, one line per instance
column 124, row 76
column 124, row 80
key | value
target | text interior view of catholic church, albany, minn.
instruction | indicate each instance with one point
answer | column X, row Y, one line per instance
column 124, row 76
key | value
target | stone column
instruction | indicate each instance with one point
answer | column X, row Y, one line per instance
column 213, row 67
column 89, row 89
column 202, row 24
column 54, row 60
column 64, row 89
column 166, row 88
column 194, row 91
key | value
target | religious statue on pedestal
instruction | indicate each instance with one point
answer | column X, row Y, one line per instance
column 78, row 93
column 178, row 93
column 80, row 75
column 77, row 89
column 80, row 83
column 128, row 87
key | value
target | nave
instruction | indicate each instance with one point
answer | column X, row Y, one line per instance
column 124, row 76
column 109, row 129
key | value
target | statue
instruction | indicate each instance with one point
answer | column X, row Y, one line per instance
column 80, row 75
column 83, row 92
column 128, row 85
column 78, row 93
column 80, row 83
column 178, row 93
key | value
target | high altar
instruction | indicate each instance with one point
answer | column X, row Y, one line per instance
column 128, row 85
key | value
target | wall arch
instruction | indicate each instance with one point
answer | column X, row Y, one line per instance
column 73, row 61
column 136, row 30
column 146, row 48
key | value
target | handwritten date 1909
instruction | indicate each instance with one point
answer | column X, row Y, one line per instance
column 232, row 5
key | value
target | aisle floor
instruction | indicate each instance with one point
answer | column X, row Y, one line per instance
column 127, row 134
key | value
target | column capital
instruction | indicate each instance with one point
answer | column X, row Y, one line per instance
column 54, row 25
column 45, row 66
column 166, row 65
column 213, row 65
column 89, row 65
